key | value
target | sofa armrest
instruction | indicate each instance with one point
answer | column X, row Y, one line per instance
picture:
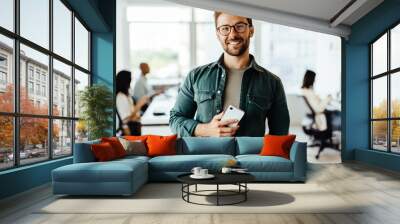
column 298, row 155
column 83, row 152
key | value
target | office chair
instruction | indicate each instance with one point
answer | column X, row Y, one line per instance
column 322, row 139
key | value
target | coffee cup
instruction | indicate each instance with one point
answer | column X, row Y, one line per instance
column 196, row 171
column 226, row 170
column 203, row 172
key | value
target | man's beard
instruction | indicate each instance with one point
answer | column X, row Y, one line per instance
column 237, row 52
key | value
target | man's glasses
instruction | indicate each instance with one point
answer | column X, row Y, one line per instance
column 225, row 30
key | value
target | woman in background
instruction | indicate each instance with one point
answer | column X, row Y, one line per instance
column 318, row 107
column 128, row 113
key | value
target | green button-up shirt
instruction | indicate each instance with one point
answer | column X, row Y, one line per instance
column 200, row 98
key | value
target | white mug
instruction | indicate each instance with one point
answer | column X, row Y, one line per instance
column 226, row 170
column 196, row 171
column 203, row 172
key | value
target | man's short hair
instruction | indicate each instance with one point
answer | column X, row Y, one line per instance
column 217, row 14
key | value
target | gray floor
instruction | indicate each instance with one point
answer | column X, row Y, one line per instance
column 377, row 189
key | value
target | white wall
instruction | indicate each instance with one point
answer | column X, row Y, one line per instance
column 123, row 46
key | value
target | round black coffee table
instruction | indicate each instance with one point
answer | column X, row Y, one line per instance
column 238, row 179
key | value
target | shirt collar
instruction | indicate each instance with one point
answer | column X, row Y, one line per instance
column 220, row 63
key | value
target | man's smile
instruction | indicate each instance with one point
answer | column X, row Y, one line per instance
column 234, row 42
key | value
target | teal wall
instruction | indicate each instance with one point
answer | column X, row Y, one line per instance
column 103, row 52
column 103, row 65
column 356, row 86
column 99, row 16
column 24, row 178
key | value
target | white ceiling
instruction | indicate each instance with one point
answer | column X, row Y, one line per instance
column 315, row 15
column 321, row 9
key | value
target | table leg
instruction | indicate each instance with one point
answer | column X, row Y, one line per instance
column 196, row 188
column 245, row 191
column 188, row 190
column 217, row 194
column 182, row 188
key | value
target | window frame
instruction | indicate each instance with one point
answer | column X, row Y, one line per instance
column 388, row 74
column 16, row 115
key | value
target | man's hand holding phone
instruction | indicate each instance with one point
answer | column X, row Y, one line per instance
column 222, row 125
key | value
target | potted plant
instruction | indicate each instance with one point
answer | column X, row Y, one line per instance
column 96, row 104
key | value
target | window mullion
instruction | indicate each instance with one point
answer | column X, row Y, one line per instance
column 389, row 106
column 73, row 82
column 16, row 83
column 50, row 81
column 371, row 97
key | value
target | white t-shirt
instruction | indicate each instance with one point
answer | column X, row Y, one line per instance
column 124, row 105
column 142, row 88
column 318, row 105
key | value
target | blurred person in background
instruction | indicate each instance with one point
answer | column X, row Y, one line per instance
column 142, row 88
column 322, row 116
column 128, row 112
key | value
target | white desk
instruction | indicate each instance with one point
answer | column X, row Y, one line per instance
column 161, row 103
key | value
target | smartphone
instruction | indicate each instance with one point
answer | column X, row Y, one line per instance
column 232, row 113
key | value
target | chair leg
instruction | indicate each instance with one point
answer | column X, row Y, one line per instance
column 321, row 148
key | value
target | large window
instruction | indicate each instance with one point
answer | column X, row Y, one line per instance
column 40, row 80
column 385, row 96
column 7, row 14
column 158, row 40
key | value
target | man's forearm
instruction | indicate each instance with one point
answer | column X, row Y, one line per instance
column 201, row 130
column 181, row 125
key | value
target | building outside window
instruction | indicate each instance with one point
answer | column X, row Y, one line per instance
column 43, row 77
column 43, row 90
column 3, row 78
column 38, row 89
column 30, row 72
column 3, row 72
column 3, row 61
column 34, row 82
column 30, row 87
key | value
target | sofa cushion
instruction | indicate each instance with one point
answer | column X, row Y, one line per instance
column 136, row 147
column 116, row 170
column 161, row 145
column 277, row 145
column 142, row 138
column 249, row 145
column 257, row 163
column 116, row 145
column 83, row 152
column 185, row 163
column 131, row 158
column 103, row 152
column 206, row 145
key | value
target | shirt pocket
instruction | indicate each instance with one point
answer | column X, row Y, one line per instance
column 205, row 104
column 201, row 96
column 258, row 103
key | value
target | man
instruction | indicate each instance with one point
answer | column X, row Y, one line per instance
column 235, row 79
column 142, row 88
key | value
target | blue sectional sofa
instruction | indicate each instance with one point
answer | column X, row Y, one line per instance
column 125, row 176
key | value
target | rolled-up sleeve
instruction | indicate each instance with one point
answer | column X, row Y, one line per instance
column 181, row 120
column 278, row 116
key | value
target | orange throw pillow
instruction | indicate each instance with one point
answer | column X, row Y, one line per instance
column 161, row 145
column 277, row 145
column 103, row 152
column 142, row 138
column 116, row 145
